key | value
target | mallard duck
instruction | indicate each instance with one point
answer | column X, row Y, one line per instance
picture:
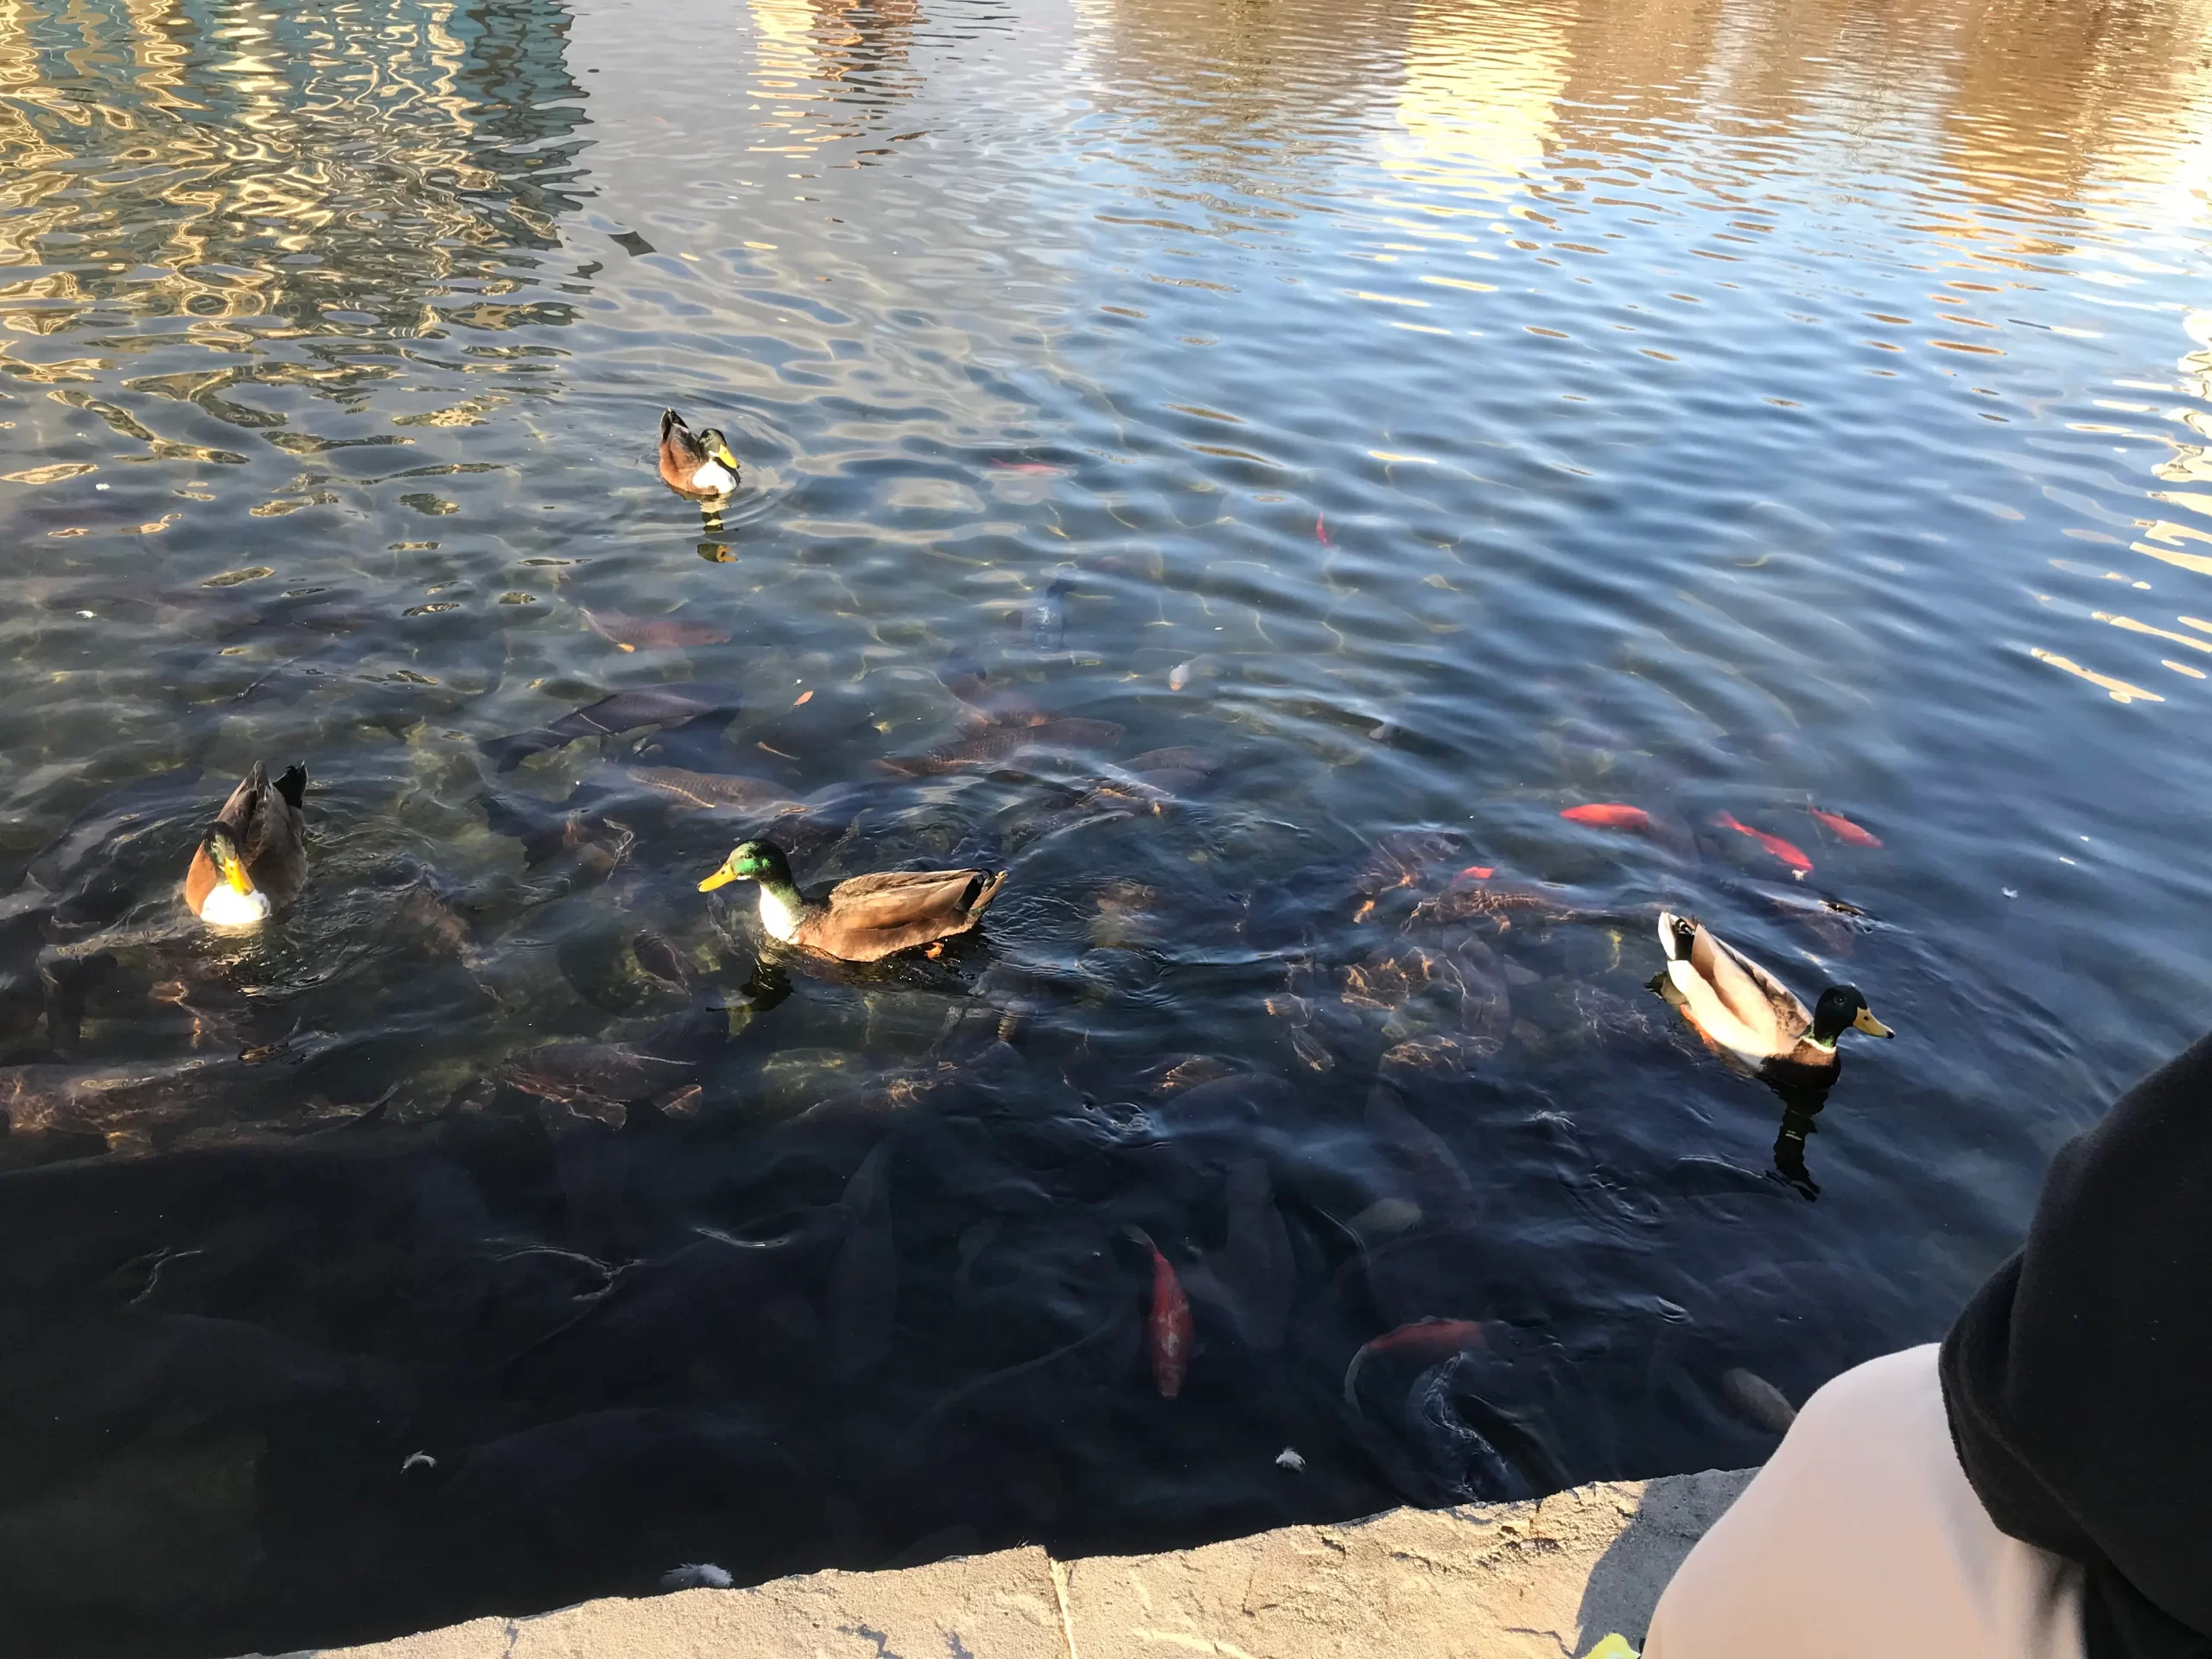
column 1751, row 1017
column 694, row 464
column 253, row 860
column 864, row 919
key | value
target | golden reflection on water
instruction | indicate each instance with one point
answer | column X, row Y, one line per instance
column 1476, row 107
column 2048, row 105
column 2119, row 691
column 272, row 164
column 805, row 51
column 2033, row 111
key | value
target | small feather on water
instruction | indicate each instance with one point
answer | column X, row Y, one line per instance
column 697, row 1575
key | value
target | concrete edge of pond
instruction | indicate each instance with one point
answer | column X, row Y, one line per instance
column 1551, row 1577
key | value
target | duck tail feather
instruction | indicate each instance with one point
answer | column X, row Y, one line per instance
column 293, row 786
column 987, row 892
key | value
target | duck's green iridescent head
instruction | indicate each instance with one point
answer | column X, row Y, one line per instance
column 752, row 860
column 717, row 446
column 1841, row 1007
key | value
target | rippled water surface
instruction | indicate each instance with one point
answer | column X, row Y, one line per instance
column 1252, row 468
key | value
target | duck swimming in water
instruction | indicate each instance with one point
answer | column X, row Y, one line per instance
column 700, row 464
column 253, row 860
column 1751, row 1017
column 864, row 919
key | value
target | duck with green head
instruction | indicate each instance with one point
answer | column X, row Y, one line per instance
column 697, row 464
column 863, row 919
column 1750, row 1017
column 252, row 860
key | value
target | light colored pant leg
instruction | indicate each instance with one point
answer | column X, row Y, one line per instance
column 1862, row 1540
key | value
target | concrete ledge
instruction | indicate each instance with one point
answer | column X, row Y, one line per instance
column 1548, row 1578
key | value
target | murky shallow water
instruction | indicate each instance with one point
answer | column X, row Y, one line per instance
column 1427, row 418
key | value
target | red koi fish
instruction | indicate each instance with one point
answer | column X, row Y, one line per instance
column 1320, row 531
column 1426, row 1341
column 1170, row 1322
column 1609, row 815
column 1800, row 865
column 1843, row 830
column 1479, row 872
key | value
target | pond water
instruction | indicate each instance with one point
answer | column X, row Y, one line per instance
column 1249, row 470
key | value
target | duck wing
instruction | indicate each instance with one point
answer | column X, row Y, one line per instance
column 678, row 438
column 273, row 838
column 876, row 916
column 898, row 898
column 1732, row 1000
column 241, row 814
column 1792, row 1018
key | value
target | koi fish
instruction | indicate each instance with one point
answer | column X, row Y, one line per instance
column 1427, row 1340
column 1177, row 760
column 993, row 747
column 1255, row 1264
column 1609, row 815
column 1799, row 864
column 1320, row 531
column 663, row 960
column 863, row 1294
column 1759, row 1400
column 1843, row 830
column 654, row 631
column 667, row 706
column 1170, row 1324
column 1437, row 1180
column 731, row 790
column 596, row 1080
column 1479, row 872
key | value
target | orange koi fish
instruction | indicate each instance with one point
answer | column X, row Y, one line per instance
column 1170, row 1323
column 1479, row 872
column 1427, row 1340
column 1799, row 864
column 1609, row 815
column 1843, row 830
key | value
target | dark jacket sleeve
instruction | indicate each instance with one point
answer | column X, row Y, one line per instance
column 2079, row 1379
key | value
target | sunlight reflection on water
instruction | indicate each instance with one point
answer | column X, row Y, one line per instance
column 1250, row 476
